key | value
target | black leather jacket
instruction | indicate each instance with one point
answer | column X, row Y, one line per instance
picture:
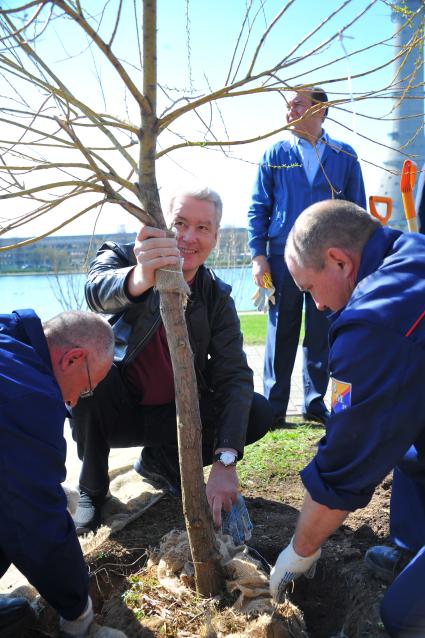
column 213, row 326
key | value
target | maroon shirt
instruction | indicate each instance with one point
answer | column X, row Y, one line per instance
column 151, row 373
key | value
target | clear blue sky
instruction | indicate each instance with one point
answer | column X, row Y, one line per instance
column 196, row 41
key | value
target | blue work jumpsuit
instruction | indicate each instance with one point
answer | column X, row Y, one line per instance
column 281, row 192
column 377, row 368
column 37, row 533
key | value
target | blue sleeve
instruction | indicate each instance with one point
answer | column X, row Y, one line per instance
column 355, row 190
column 37, row 533
column 260, row 211
column 420, row 201
column 380, row 376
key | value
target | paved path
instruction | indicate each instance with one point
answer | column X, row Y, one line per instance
column 122, row 459
column 255, row 356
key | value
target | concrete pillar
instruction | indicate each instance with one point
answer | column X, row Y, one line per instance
column 407, row 134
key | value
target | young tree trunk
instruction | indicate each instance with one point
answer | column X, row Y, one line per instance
column 173, row 292
column 206, row 560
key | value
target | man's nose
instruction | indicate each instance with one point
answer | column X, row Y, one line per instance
column 188, row 234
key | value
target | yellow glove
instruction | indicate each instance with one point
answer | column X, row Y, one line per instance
column 263, row 297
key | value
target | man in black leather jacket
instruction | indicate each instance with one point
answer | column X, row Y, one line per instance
column 135, row 404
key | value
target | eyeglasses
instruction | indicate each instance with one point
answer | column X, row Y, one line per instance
column 87, row 393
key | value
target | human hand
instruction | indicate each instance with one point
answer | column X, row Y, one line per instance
column 97, row 631
column 79, row 627
column 237, row 523
column 153, row 250
column 72, row 497
column 222, row 490
column 290, row 566
column 263, row 298
column 101, row 631
column 260, row 266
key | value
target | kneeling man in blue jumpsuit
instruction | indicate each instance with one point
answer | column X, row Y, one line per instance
column 42, row 368
column 373, row 278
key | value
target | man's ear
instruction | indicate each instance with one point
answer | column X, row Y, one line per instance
column 71, row 358
column 342, row 259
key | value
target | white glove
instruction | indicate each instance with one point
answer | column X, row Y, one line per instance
column 105, row 632
column 289, row 566
column 72, row 497
column 263, row 298
column 79, row 627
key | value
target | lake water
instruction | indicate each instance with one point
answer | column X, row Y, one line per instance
column 42, row 292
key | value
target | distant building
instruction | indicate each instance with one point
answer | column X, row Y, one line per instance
column 73, row 253
column 70, row 253
column 232, row 248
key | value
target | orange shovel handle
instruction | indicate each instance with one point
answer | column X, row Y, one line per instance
column 407, row 182
column 377, row 199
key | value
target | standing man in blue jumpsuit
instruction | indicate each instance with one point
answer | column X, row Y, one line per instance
column 373, row 278
column 42, row 368
column 306, row 167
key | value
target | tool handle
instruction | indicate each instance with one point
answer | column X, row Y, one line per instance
column 377, row 199
column 412, row 225
column 408, row 176
column 408, row 205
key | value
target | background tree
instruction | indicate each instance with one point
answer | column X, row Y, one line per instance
column 63, row 155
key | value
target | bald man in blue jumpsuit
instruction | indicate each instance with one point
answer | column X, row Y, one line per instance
column 373, row 278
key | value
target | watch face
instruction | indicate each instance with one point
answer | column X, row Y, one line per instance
column 227, row 458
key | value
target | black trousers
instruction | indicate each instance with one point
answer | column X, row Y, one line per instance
column 113, row 418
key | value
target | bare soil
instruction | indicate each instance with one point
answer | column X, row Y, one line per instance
column 343, row 594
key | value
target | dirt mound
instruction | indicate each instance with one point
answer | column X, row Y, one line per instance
column 341, row 601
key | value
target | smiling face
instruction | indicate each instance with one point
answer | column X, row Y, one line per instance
column 195, row 223
column 298, row 104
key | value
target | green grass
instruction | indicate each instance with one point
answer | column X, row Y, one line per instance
column 254, row 325
column 279, row 454
column 253, row 328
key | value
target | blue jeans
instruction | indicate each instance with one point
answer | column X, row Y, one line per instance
column 283, row 331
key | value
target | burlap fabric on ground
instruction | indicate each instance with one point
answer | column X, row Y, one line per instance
column 253, row 612
column 131, row 495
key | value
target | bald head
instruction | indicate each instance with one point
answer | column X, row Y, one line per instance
column 69, row 329
column 81, row 347
column 330, row 223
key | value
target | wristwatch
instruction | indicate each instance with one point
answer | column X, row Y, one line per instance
column 226, row 458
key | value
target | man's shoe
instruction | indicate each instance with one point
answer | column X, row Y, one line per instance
column 385, row 562
column 87, row 516
column 316, row 417
column 16, row 615
column 156, row 474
